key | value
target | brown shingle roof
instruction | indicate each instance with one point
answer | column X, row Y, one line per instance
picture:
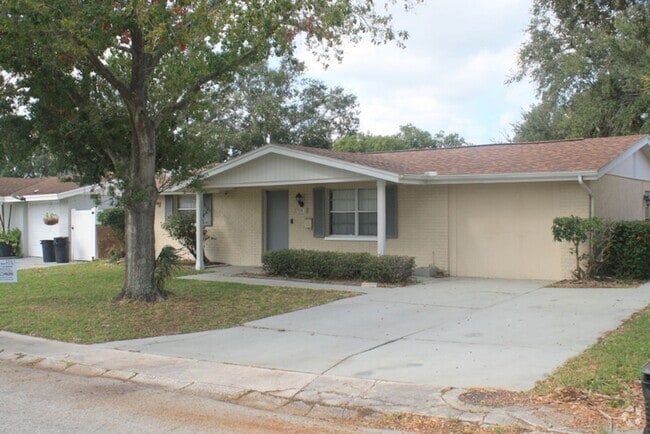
column 538, row 157
column 34, row 186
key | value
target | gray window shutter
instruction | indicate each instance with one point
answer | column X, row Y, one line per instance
column 169, row 205
column 207, row 209
column 320, row 209
column 391, row 211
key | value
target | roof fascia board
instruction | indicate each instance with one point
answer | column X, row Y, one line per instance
column 49, row 197
column 41, row 197
column 643, row 144
column 77, row 191
column 237, row 161
column 52, row 196
column 299, row 182
column 273, row 184
column 499, row 178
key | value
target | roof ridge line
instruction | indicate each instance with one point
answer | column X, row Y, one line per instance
column 397, row 151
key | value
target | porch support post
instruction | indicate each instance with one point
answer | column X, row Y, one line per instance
column 199, row 265
column 381, row 217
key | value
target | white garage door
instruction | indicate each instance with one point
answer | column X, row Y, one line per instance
column 505, row 231
column 37, row 230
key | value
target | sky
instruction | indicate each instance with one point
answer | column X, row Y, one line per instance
column 451, row 76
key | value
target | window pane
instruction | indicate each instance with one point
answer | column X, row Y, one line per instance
column 190, row 213
column 187, row 202
column 367, row 223
column 342, row 200
column 342, row 223
column 368, row 199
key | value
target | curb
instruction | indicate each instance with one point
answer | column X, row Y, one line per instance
column 323, row 398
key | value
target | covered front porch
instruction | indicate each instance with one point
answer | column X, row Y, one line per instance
column 279, row 197
column 250, row 220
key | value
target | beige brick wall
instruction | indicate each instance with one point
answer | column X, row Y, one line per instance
column 423, row 225
column 237, row 227
column 235, row 236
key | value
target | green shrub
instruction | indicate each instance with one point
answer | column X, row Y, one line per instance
column 182, row 227
column 619, row 249
column 312, row 264
column 629, row 251
column 12, row 237
column 578, row 230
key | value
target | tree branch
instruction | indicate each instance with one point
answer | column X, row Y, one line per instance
column 108, row 75
column 186, row 99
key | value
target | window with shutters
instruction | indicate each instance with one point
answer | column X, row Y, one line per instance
column 186, row 204
column 353, row 212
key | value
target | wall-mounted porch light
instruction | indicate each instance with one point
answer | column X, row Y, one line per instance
column 300, row 200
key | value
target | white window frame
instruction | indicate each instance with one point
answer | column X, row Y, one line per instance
column 207, row 208
column 356, row 213
column 187, row 209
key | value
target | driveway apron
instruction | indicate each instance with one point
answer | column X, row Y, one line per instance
column 456, row 332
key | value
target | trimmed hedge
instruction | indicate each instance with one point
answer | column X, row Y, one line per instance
column 313, row 264
column 628, row 256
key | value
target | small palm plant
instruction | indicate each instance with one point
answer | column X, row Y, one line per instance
column 166, row 266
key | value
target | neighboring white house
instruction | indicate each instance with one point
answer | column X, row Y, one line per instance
column 27, row 200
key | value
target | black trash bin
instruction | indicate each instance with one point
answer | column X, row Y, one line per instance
column 48, row 250
column 61, row 249
column 5, row 250
column 646, row 395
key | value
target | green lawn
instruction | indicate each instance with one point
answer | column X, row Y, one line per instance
column 74, row 303
column 610, row 367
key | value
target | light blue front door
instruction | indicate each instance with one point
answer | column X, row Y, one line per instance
column 277, row 220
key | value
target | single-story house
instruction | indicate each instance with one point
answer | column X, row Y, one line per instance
column 27, row 200
column 483, row 211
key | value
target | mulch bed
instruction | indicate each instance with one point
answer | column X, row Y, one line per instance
column 329, row 282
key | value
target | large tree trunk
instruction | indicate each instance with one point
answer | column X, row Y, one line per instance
column 140, row 202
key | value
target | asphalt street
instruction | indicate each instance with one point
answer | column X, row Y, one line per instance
column 40, row 401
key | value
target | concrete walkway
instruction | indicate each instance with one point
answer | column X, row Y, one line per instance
column 35, row 262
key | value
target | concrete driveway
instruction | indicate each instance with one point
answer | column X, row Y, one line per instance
column 446, row 332
column 34, row 262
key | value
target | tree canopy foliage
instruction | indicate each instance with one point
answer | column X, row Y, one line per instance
column 590, row 62
column 409, row 137
column 104, row 85
column 262, row 104
column 278, row 105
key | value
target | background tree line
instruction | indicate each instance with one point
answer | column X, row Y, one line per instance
column 590, row 62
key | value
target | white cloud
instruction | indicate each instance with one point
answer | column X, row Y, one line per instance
column 451, row 75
